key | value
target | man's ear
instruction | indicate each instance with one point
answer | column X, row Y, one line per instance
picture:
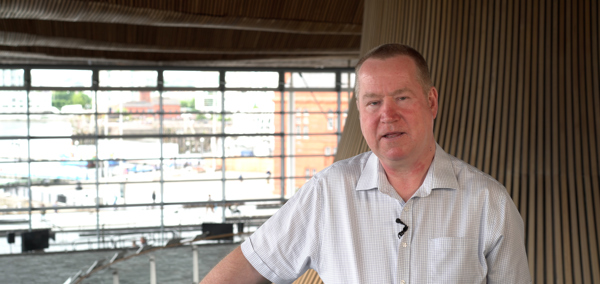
column 432, row 99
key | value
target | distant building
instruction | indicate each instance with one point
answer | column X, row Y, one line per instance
column 146, row 104
column 304, row 122
column 16, row 102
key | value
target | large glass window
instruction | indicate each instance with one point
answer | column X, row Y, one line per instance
column 11, row 77
column 131, row 151
column 127, row 78
column 61, row 78
column 197, row 79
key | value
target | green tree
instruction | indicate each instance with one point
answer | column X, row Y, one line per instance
column 82, row 99
column 189, row 104
column 63, row 98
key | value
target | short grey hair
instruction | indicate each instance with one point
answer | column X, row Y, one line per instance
column 390, row 50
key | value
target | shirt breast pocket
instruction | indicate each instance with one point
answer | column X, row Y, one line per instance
column 454, row 260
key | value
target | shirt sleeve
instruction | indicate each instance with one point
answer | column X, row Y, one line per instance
column 507, row 258
column 287, row 245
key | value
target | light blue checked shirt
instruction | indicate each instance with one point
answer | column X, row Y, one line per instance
column 463, row 227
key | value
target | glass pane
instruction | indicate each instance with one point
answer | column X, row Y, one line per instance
column 196, row 79
column 304, row 102
column 13, row 222
column 55, row 149
column 346, row 97
column 191, row 214
column 128, row 124
column 41, row 102
column 129, row 148
column 65, row 172
column 13, row 102
column 252, row 208
column 311, row 144
column 348, row 77
column 253, row 168
column 118, row 170
column 251, row 101
column 259, row 176
column 251, row 146
column 237, row 79
column 309, row 80
column 145, row 102
column 81, row 124
column 250, row 123
column 193, row 101
column 51, row 125
column 13, row 150
column 130, row 192
column 130, row 217
column 192, row 169
column 128, row 101
column 250, row 189
column 192, row 147
column 12, row 177
column 13, row 125
column 303, row 125
column 127, row 78
column 303, row 168
column 11, row 77
column 193, row 191
column 61, row 102
column 61, row 78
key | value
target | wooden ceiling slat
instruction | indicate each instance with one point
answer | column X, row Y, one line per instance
column 80, row 11
column 188, row 38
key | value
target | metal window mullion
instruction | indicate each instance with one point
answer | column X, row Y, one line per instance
column 291, row 140
column 97, row 142
column 27, row 83
column 338, row 88
column 222, row 89
column 161, row 114
column 282, row 128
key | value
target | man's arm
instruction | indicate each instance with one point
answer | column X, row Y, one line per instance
column 234, row 268
column 507, row 261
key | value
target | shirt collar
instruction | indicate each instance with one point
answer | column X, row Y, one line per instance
column 368, row 178
column 440, row 174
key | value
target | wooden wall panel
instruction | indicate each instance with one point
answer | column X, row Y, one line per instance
column 519, row 85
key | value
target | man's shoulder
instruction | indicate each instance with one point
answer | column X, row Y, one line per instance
column 348, row 167
column 468, row 175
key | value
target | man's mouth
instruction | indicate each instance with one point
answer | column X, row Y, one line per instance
column 392, row 135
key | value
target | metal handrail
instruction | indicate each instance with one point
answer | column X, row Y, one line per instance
column 153, row 249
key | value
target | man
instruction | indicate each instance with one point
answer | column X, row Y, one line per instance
column 407, row 212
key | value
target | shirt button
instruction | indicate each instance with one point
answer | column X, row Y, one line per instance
column 405, row 209
column 403, row 282
column 404, row 244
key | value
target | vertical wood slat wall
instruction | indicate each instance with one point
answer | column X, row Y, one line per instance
column 520, row 100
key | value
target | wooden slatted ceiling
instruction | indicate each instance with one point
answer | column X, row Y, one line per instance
column 270, row 20
column 520, row 100
column 148, row 31
column 178, row 37
column 312, row 10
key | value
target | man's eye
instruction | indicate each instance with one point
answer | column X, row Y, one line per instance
column 372, row 103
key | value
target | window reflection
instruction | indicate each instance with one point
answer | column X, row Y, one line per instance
column 198, row 79
column 127, row 78
column 61, row 78
column 11, row 77
column 129, row 148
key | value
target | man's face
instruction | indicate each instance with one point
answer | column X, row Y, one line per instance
column 396, row 116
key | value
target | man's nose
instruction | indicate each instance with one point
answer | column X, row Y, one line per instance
column 389, row 112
